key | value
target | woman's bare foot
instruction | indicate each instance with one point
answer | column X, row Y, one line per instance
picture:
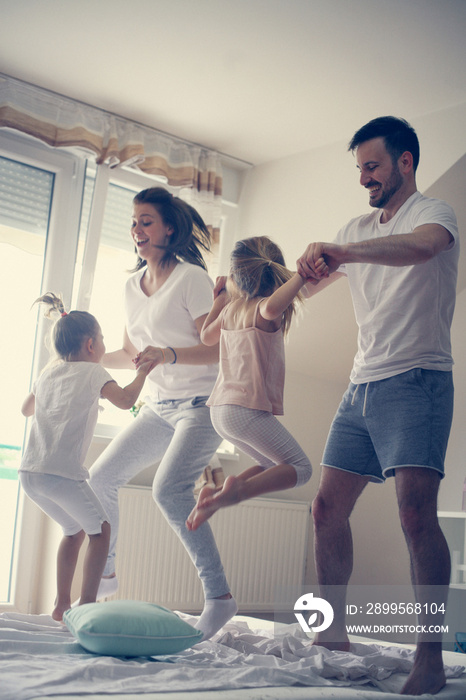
column 210, row 500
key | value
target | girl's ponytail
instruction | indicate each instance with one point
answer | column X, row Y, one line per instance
column 71, row 329
column 54, row 302
column 258, row 269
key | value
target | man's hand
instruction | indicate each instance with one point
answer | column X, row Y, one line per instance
column 319, row 260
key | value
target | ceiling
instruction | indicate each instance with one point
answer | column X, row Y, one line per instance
column 254, row 79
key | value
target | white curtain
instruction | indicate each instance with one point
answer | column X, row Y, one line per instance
column 63, row 123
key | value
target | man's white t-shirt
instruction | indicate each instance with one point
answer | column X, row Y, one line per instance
column 404, row 314
column 166, row 319
column 66, row 408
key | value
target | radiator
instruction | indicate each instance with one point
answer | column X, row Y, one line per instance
column 262, row 543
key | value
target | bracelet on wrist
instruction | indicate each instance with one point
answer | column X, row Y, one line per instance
column 174, row 355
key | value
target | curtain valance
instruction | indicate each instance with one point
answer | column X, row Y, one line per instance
column 64, row 123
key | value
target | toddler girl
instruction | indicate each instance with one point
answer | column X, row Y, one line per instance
column 250, row 315
column 64, row 402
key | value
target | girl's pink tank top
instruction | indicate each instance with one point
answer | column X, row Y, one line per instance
column 251, row 369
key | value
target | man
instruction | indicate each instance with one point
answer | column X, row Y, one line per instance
column 394, row 420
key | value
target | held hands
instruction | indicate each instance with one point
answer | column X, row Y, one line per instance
column 152, row 357
column 319, row 260
column 145, row 368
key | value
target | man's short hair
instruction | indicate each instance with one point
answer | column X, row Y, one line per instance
column 398, row 135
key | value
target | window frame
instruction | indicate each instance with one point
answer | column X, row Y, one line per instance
column 58, row 272
column 33, row 574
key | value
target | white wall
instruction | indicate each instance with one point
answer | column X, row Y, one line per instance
column 305, row 198
column 451, row 492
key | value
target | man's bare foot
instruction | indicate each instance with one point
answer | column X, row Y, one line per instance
column 333, row 646
column 210, row 500
column 334, row 643
column 425, row 677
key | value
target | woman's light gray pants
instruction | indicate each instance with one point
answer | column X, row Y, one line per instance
column 179, row 434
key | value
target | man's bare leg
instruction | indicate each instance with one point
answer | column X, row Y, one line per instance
column 331, row 509
column 417, row 491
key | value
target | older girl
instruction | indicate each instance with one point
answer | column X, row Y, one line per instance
column 250, row 315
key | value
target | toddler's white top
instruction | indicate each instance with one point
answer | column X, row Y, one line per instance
column 66, row 407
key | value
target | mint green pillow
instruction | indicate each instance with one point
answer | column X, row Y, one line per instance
column 130, row 628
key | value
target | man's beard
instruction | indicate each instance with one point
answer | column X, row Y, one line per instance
column 393, row 185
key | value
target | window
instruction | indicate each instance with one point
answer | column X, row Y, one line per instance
column 64, row 227
column 25, row 196
column 38, row 187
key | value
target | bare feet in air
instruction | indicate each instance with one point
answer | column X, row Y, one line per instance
column 210, row 500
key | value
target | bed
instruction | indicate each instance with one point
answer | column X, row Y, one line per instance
column 248, row 659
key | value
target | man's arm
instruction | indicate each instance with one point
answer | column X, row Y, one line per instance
column 415, row 248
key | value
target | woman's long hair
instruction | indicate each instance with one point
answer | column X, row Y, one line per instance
column 190, row 234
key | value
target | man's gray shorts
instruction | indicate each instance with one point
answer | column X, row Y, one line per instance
column 402, row 421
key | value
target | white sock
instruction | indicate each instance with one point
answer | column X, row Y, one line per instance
column 216, row 613
column 107, row 587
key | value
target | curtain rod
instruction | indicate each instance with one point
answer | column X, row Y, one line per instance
column 243, row 163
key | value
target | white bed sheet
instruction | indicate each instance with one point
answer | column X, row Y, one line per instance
column 248, row 659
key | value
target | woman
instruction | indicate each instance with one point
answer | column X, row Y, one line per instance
column 167, row 300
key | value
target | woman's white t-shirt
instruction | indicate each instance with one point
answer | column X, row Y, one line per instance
column 166, row 319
